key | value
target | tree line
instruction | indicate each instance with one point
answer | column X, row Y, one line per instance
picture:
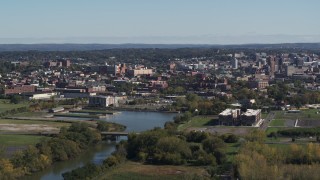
column 68, row 144
column 256, row 160
column 163, row 147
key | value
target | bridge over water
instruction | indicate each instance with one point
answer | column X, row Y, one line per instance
column 115, row 133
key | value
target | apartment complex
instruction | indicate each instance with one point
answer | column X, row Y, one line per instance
column 234, row 117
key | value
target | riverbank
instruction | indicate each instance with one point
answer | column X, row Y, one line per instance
column 73, row 115
column 90, row 111
column 134, row 109
column 17, row 135
column 134, row 121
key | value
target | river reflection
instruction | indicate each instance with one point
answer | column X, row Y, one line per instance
column 135, row 122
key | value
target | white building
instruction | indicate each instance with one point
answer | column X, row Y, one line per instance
column 103, row 101
column 46, row 95
column 234, row 63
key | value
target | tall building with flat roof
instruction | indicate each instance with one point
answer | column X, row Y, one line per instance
column 229, row 117
column 234, row 63
column 101, row 101
column 251, row 116
column 272, row 63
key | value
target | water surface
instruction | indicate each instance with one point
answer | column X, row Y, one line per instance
column 134, row 121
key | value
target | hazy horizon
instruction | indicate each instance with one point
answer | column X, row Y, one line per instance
column 159, row 22
column 209, row 40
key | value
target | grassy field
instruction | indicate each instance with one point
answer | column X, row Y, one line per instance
column 277, row 122
column 138, row 171
column 287, row 145
column 76, row 115
column 198, row 121
column 6, row 105
column 272, row 129
column 306, row 114
column 31, row 114
column 20, row 140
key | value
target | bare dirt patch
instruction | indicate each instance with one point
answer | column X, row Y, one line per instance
column 21, row 128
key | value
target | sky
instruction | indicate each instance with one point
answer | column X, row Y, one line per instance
column 159, row 21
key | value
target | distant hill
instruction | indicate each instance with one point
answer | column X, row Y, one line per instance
column 86, row 47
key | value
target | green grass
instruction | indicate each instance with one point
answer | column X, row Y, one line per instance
column 277, row 122
column 20, row 140
column 232, row 150
column 286, row 146
column 137, row 171
column 197, row 121
column 264, row 115
column 5, row 105
column 312, row 113
column 272, row 129
column 31, row 114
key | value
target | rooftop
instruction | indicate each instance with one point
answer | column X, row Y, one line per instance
column 227, row 112
column 251, row 112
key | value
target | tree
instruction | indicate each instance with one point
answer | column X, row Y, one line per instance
column 8, row 171
column 16, row 99
column 212, row 144
column 256, row 136
column 202, row 158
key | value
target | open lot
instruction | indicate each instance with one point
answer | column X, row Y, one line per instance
column 27, row 128
column 306, row 114
column 306, row 118
column 30, row 126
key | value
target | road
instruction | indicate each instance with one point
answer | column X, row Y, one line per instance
column 267, row 121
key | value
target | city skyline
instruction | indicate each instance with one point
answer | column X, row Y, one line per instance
column 163, row 22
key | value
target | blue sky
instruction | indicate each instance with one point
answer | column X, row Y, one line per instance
column 159, row 21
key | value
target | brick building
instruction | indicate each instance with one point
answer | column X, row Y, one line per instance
column 18, row 89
